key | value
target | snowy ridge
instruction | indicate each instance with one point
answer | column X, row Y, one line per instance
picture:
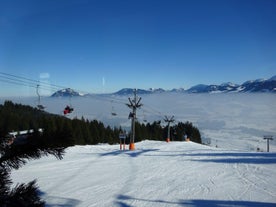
column 156, row 174
column 67, row 92
column 273, row 78
column 259, row 85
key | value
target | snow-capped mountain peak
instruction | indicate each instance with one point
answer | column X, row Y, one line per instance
column 273, row 78
column 229, row 84
column 258, row 85
column 67, row 92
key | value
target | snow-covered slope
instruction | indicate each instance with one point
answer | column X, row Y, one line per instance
column 156, row 174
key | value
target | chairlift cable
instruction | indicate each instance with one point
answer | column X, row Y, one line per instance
column 22, row 81
column 18, row 80
column 29, row 81
column 16, row 83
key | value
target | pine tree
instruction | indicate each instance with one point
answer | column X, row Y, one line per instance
column 187, row 129
column 15, row 156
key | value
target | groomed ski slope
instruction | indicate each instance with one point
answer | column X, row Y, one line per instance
column 156, row 174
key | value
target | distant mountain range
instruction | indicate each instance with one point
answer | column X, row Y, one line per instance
column 259, row 85
column 127, row 91
column 253, row 86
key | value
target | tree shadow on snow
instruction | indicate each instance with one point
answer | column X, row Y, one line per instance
column 134, row 153
column 240, row 154
column 228, row 157
column 122, row 204
column 122, row 199
column 224, row 203
column 245, row 158
column 54, row 201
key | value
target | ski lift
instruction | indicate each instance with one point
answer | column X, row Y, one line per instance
column 131, row 115
column 113, row 113
column 68, row 110
column 39, row 105
column 144, row 117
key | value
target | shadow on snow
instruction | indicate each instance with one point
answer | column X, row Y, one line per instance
column 241, row 154
column 231, row 157
column 55, row 201
column 246, row 158
column 61, row 202
column 134, row 153
column 123, row 199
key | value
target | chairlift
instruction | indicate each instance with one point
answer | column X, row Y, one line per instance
column 144, row 117
column 39, row 105
column 113, row 113
column 68, row 110
column 131, row 115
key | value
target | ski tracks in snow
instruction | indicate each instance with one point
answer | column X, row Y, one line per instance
column 77, row 167
column 155, row 174
column 249, row 176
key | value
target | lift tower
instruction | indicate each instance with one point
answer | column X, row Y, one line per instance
column 134, row 105
column 268, row 137
column 169, row 120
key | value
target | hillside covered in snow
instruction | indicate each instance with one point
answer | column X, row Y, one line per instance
column 156, row 174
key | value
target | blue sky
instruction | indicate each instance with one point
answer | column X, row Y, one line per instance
column 105, row 45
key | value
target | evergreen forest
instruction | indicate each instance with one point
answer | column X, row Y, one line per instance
column 69, row 132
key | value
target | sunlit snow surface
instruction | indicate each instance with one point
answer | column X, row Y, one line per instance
column 156, row 174
column 163, row 174
column 232, row 121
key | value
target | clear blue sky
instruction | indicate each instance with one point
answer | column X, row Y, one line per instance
column 106, row 45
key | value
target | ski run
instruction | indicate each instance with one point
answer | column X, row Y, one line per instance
column 155, row 174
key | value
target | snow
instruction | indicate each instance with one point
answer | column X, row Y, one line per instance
column 255, row 81
column 156, row 174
